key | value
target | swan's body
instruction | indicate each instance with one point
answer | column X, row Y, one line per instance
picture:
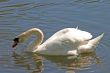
column 68, row 41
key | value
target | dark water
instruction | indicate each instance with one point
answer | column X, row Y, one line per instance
column 17, row 16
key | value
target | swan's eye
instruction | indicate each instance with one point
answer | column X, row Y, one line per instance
column 16, row 41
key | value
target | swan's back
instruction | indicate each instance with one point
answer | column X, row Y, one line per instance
column 74, row 33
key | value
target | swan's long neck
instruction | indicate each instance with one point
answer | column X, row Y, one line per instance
column 38, row 40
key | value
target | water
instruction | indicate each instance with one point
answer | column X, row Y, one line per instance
column 50, row 16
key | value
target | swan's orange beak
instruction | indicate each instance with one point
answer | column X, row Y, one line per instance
column 15, row 43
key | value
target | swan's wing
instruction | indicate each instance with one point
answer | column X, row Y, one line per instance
column 80, row 35
column 74, row 33
column 68, row 36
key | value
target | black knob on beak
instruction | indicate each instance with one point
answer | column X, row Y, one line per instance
column 16, row 41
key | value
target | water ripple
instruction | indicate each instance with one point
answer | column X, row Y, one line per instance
column 17, row 16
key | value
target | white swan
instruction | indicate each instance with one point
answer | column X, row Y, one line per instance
column 68, row 41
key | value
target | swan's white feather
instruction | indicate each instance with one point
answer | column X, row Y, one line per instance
column 64, row 42
column 71, row 33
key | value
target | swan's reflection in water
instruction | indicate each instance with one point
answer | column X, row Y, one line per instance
column 34, row 62
column 29, row 61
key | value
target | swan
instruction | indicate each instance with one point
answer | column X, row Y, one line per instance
column 68, row 41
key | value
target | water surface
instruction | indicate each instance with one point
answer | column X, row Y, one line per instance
column 50, row 16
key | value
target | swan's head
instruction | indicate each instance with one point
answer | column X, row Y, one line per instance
column 25, row 35
column 19, row 39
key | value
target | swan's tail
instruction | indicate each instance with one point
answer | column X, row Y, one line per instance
column 96, row 40
column 91, row 45
column 77, row 27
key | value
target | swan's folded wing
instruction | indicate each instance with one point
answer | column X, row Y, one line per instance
column 80, row 35
column 73, row 34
